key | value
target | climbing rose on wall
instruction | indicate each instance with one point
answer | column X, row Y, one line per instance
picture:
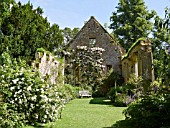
column 88, row 64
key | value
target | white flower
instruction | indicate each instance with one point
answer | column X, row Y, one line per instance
column 42, row 90
column 12, row 88
column 19, row 91
column 20, row 102
column 34, row 98
column 29, row 88
column 45, row 116
column 49, row 99
column 15, row 94
column 31, row 106
column 2, row 76
column 12, row 102
column 20, row 82
column 18, row 87
column 36, row 116
column 82, row 47
column 44, row 97
column 46, row 112
column 15, row 81
column 47, row 86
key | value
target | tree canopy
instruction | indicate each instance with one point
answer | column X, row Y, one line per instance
column 161, row 43
column 24, row 29
column 131, row 21
column 69, row 33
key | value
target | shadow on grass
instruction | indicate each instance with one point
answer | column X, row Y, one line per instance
column 101, row 100
column 123, row 124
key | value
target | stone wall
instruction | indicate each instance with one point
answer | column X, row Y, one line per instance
column 138, row 61
column 94, row 35
column 49, row 67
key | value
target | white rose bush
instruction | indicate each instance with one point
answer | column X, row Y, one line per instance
column 24, row 97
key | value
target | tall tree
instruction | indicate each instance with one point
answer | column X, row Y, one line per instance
column 161, row 43
column 25, row 30
column 69, row 33
column 131, row 21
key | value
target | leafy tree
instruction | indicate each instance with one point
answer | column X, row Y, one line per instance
column 24, row 30
column 69, row 33
column 55, row 39
column 161, row 42
column 4, row 9
column 131, row 21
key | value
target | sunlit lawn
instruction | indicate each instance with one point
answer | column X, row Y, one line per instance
column 89, row 113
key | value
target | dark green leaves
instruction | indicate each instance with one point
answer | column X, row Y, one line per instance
column 131, row 21
column 24, row 30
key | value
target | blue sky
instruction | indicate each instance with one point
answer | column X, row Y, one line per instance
column 73, row 13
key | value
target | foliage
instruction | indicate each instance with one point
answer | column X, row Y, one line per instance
column 68, row 92
column 131, row 21
column 69, row 34
column 124, row 94
column 25, row 95
column 9, row 117
column 118, row 96
column 151, row 109
column 87, row 66
column 24, row 30
column 150, row 112
column 161, row 43
column 109, row 80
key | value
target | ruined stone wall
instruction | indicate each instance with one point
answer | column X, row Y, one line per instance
column 93, row 30
column 139, row 61
column 48, row 66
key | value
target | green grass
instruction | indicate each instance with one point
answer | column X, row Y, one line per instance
column 89, row 113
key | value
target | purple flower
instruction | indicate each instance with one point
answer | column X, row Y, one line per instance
column 169, row 50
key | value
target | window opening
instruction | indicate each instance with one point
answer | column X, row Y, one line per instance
column 109, row 67
column 92, row 42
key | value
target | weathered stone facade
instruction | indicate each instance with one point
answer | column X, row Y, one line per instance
column 48, row 66
column 94, row 35
column 139, row 61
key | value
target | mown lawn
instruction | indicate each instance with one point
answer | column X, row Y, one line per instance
column 89, row 113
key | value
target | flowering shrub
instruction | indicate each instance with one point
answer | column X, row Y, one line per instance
column 25, row 96
column 149, row 112
column 87, row 64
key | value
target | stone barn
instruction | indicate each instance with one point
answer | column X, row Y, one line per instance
column 93, row 34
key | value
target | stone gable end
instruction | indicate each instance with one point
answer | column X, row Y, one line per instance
column 93, row 34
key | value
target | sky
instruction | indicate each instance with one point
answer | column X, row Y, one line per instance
column 74, row 13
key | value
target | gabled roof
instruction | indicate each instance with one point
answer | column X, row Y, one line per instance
column 97, row 23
